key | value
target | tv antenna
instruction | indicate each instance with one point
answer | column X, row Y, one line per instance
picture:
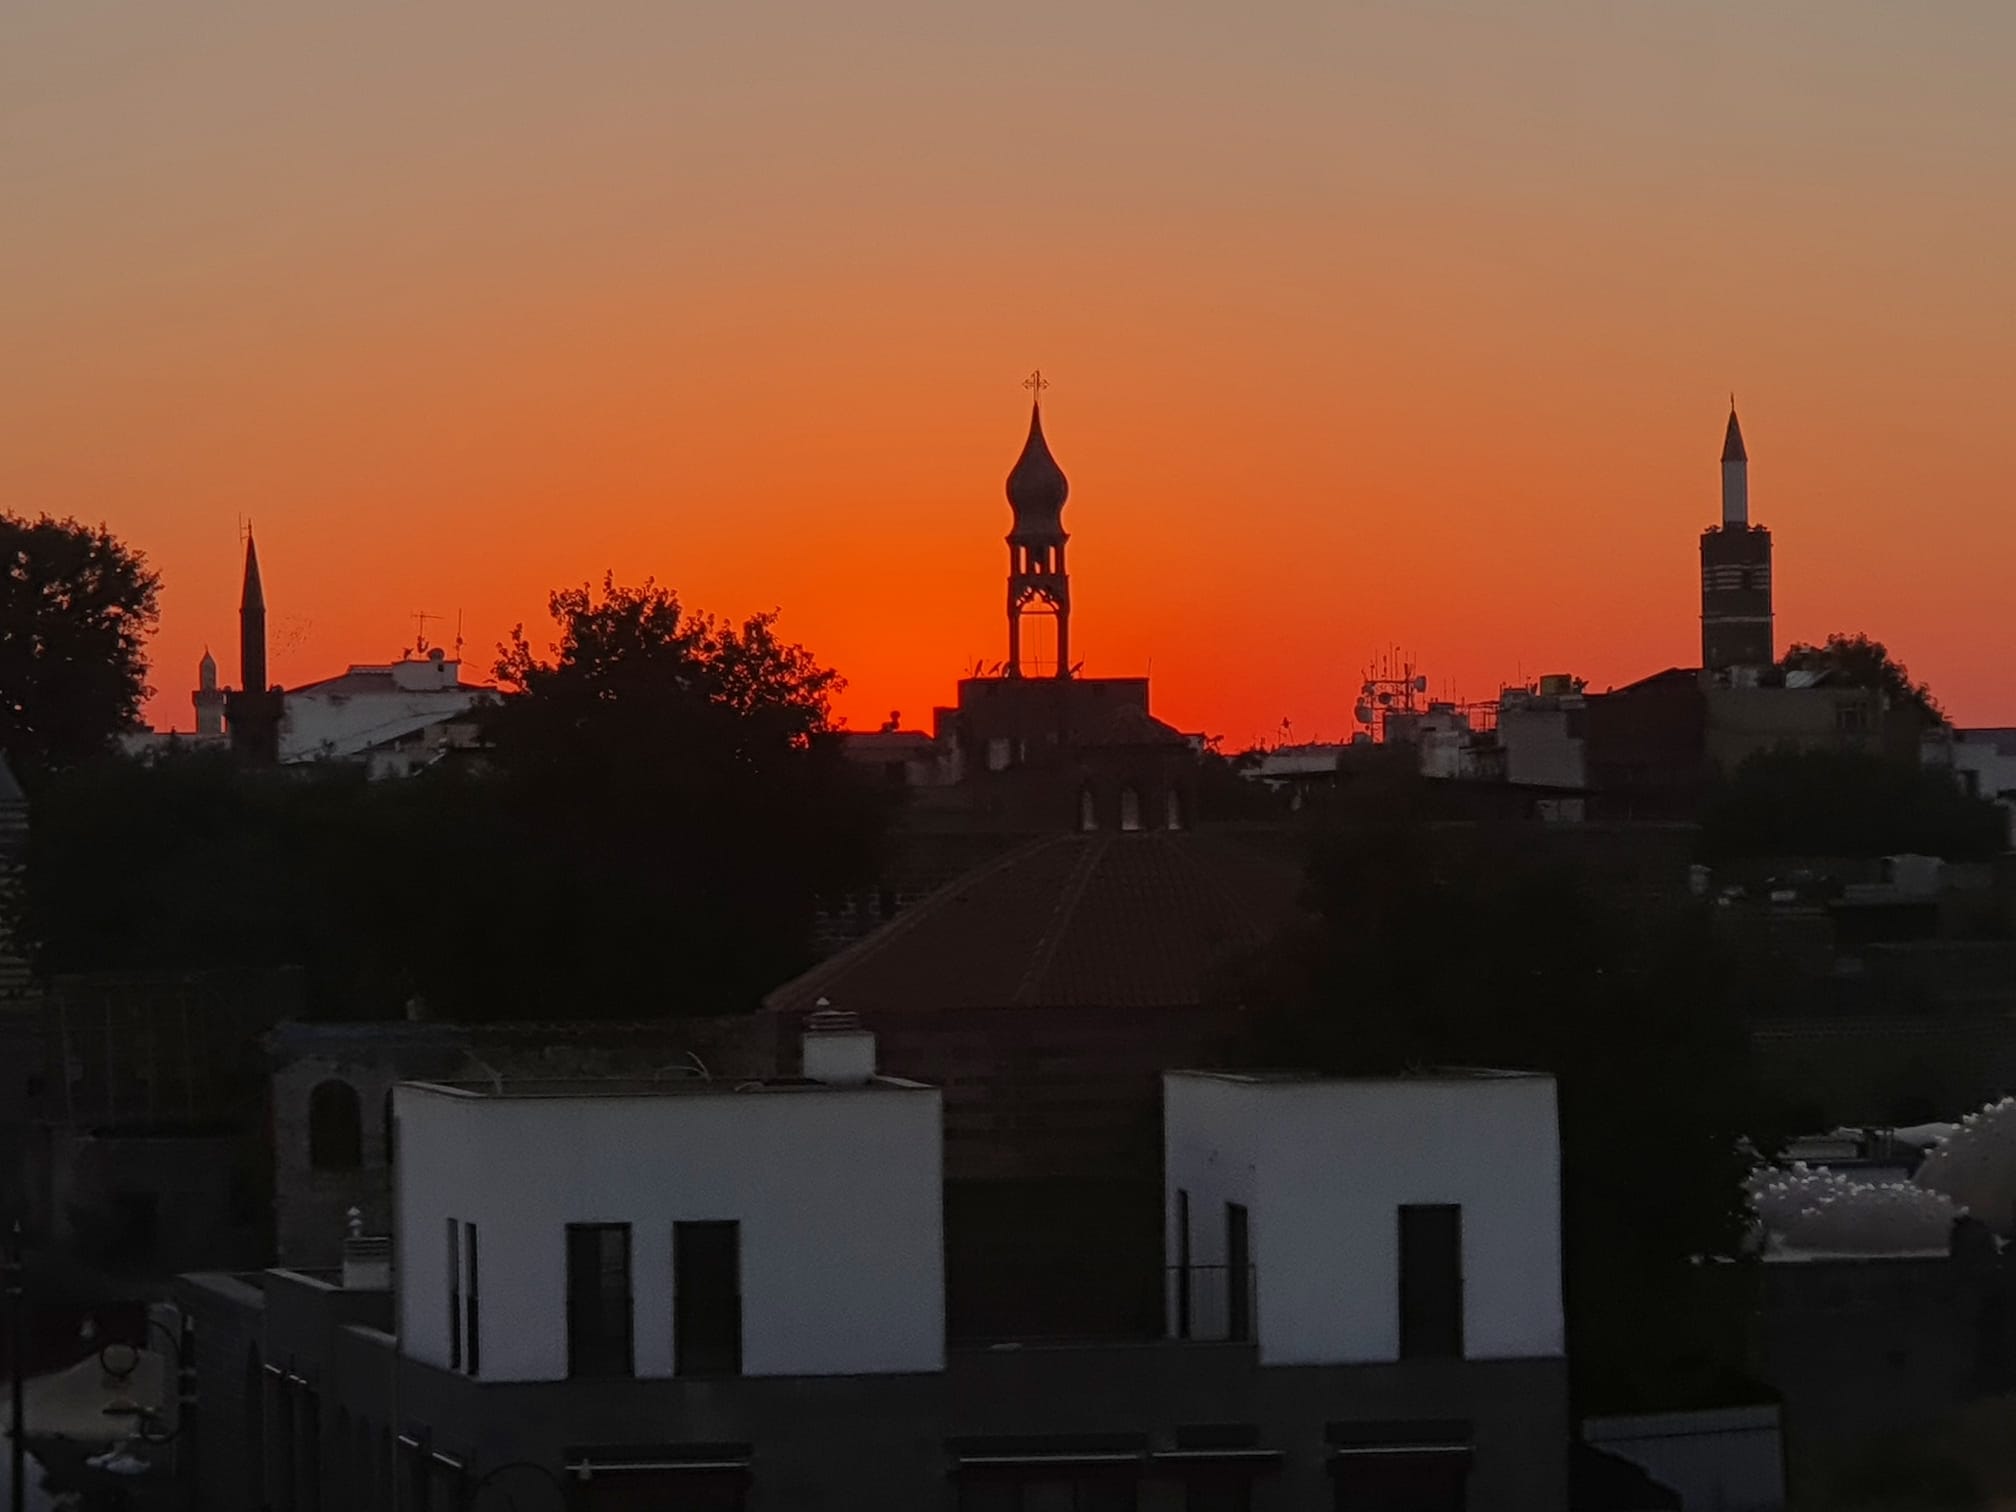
column 419, row 646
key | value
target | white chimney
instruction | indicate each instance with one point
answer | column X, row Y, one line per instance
column 837, row 1050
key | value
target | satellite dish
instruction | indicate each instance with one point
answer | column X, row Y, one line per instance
column 1368, row 689
column 1421, row 683
column 1363, row 714
column 1385, row 698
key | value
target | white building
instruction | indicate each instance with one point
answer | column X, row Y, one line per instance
column 392, row 716
column 1357, row 1221
column 674, row 1227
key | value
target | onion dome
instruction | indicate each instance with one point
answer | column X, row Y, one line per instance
column 1037, row 487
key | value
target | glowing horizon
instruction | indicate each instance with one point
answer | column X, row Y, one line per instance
column 1369, row 324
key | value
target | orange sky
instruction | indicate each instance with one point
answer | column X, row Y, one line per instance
column 1369, row 321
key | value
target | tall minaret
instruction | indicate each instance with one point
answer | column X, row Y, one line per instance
column 209, row 700
column 252, row 623
column 252, row 711
column 1037, row 581
column 1736, row 622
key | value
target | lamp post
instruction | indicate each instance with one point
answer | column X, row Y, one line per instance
column 17, row 1310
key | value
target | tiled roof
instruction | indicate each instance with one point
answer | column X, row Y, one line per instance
column 1080, row 920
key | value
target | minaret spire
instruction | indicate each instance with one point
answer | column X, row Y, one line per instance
column 1735, row 473
column 252, row 712
column 252, row 622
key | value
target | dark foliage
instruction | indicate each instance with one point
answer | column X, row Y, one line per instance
column 1859, row 662
column 1477, row 945
column 1845, row 803
column 76, row 608
column 656, row 812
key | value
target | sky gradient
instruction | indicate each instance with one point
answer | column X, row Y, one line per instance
column 1368, row 322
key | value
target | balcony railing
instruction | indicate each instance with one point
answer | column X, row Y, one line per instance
column 1211, row 1304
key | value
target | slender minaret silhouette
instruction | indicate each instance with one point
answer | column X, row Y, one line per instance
column 208, row 698
column 1736, row 621
column 1037, row 581
column 253, row 710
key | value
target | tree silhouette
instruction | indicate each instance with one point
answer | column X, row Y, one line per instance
column 1859, row 662
column 76, row 608
column 1461, row 944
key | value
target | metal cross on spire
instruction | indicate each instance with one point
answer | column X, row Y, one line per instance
column 1036, row 383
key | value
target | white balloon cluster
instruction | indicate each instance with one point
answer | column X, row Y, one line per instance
column 1802, row 1208
column 1975, row 1166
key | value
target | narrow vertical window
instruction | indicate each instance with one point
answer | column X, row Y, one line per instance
column 707, row 1298
column 454, row 1297
column 1130, row 809
column 1238, row 1275
column 1431, row 1282
column 472, row 1304
column 1182, row 1263
column 598, row 1300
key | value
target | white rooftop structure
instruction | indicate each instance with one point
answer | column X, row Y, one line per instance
column 651, row 1228
column 1365, row 1220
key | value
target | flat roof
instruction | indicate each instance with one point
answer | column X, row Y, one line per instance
column 1285, row 1077
column 645, row 1086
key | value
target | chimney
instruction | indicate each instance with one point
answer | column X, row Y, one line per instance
column 837, row 1050
column 367, row 1258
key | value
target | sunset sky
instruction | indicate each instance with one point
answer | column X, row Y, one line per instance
column 1369, row 322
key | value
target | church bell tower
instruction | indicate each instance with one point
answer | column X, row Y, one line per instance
column 1037, row 582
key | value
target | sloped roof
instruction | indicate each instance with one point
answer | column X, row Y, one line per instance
column 1081, row 920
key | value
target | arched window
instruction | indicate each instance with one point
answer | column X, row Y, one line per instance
column 1088, row 810
column 1130, row 809
column 1172, row 810
column 391, row 1131
column 335, row 1127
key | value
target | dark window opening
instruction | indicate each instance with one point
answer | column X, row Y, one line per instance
column 1431, row 1282
column 1182, row 1263
column 454, row 1296
column 335, row 1127
column 598, row 1300
column 472, row 1324
column 1238, row 1275
column 706, row 1299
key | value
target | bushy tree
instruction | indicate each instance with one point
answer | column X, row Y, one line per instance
column 1477, row 945
column 76, row 607
column 1859, row 662
column 657, row 808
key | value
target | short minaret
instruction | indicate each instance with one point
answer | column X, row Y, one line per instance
column 208, row 697
column 252, row 712
column 1037, row 581
column 1735, row 474
column 1736, row 621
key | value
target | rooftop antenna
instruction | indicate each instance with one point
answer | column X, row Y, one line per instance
column 419, row 646
column 458, row 635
